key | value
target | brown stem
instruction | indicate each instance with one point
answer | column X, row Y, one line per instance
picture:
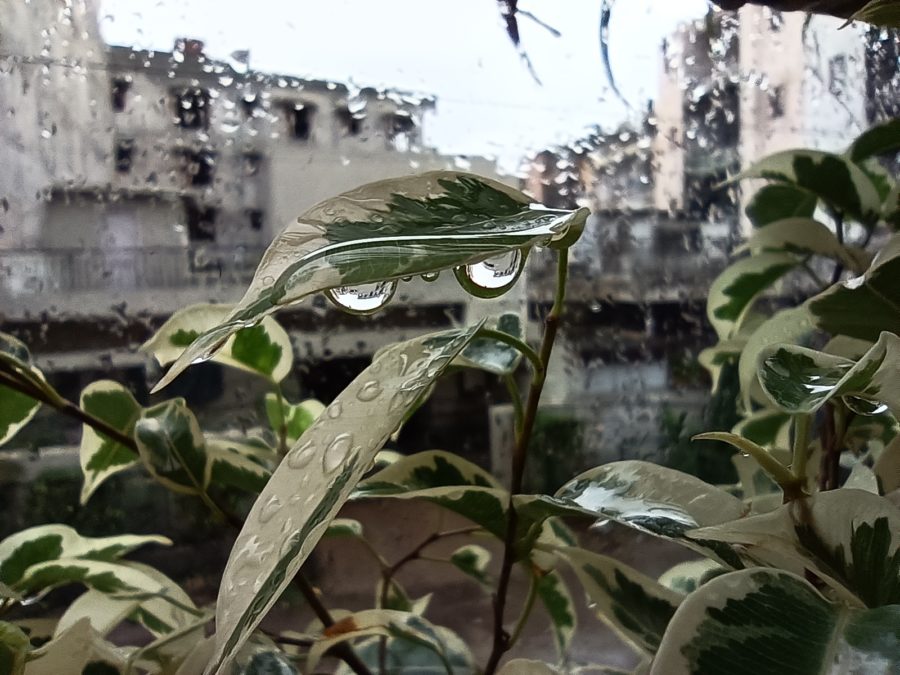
column 342, row 651
column 501, row 641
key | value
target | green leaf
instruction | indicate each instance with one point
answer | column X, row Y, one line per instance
column 789, row 325
column 768, row 622
column 296, row 418
column 848, row 538
column 264, row 349
column 344, row 527
column 102, row 457
column 865, row 306
column 734, row 290
column 404, row 626
column 73, row 651
column 768, row 428
column 228, row 467
column 316, row 478
column 687, row 577
column 881, row 13
column 657, row 500
column 632, row 604
column 492, row 355
column 270, row 663
column 430, row 469
column 834, row 179
column 715, row 358
column 172, row 447
column 14, row 646
column 779, row 201
column 16, row 410
column 408, row 657
column 106, row 577
column 879, row 140
column 388, row 230
column 804, row 236
column 45, row 543
column 800, row 380
column 557, row 601
column 473, row 560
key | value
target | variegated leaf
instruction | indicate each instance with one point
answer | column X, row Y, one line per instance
column 834, row 179
column 270, row 663
column 344, row 527
column 637, row 607
column 865, row 306
column 292, row 418
column 388, row 230
column 658, row 500
column 527, row 667
column 554, row 595
column 46, row 543
column 430, row 469
column 473, row 561
column 316, row 478
column 102, row 457
column 16, row 409
column 770, row 622
column 800, row 380
column 107, row 577
column 14, row 648
column 228, row 467
column 73, row 650
column 880, row 139
column 734, row 290
column 492, row 355
column 452, row 653
column 687, row 577
column 805, row 236
column 778, row 201
column 264, row 349
column 848, row 538
column 172, row 447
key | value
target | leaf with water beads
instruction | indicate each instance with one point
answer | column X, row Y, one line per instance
column 358, row 244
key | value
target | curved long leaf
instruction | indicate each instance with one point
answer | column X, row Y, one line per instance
column 768, row 622
column 14, row 646
column 46, row 543
column 637, row 607
column 264, row 349
column 73, row 650
column 172, row 447
column 16, row 409
column 879, row 13
column 879, row 140
column 865, row 306
column 849, row 538
column 657, row 500
column 778, row 201
column 385, row 231
column 492, row 355
column 688, row 576
column 316, row 478
column 557, row 601
column 734, row 290
column 833, row 179
column 423, row 470
column 103, row 576
column 800, row 380
column 805, row 235
column 102, row 457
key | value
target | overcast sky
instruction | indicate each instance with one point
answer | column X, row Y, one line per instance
column 455, row 49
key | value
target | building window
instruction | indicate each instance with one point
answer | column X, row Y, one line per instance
column 120, row 88
column 776, row 20
column 300, row 120
column 837, row 75
column 252, row 163
column 191, row 108
column 400, row 128
column 201, row 221
column 199, row 167
column 776, row 102
column 350, row 123
column 124, row 154
column 256, row 219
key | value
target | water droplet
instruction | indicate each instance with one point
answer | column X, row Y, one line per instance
column 300, row 457
column 492, row 277
column 269, row 509
column 363, row 299
column 335, row 410
column 336, row 452
column 369, row 391
column 430, row 276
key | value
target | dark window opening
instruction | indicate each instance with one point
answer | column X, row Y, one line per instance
column 705, row 198
column 400, row 123
column 351, row 123
column 776, row 20
column 124, row 155
column 120, row 87
column 192, row 108
column 300, row 120
column 776, row 102
column 837, row 75
column 201, row 221
column 199, row 167
column 252, row 163
column 255, row 218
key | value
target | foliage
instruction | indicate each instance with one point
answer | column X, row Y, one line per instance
column 800, row 574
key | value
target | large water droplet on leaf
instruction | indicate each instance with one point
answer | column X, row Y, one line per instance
column 369, row 391
column 492, row 277
column 300, row 457
column 363, row 299
column 336, row 452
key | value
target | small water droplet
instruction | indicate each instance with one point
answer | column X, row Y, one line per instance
column 369, row 391
column 363, row 299
column 335, row 410
column 336, row 452
column 300, row 457
column 430, row 276
column 492, row 277
column 269, row 509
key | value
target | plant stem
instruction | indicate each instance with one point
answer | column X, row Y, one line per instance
column 801, row 447
column 839, row 230
column 526, row 611
column 516, row 399
column 501, row 641
column 343, row 651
